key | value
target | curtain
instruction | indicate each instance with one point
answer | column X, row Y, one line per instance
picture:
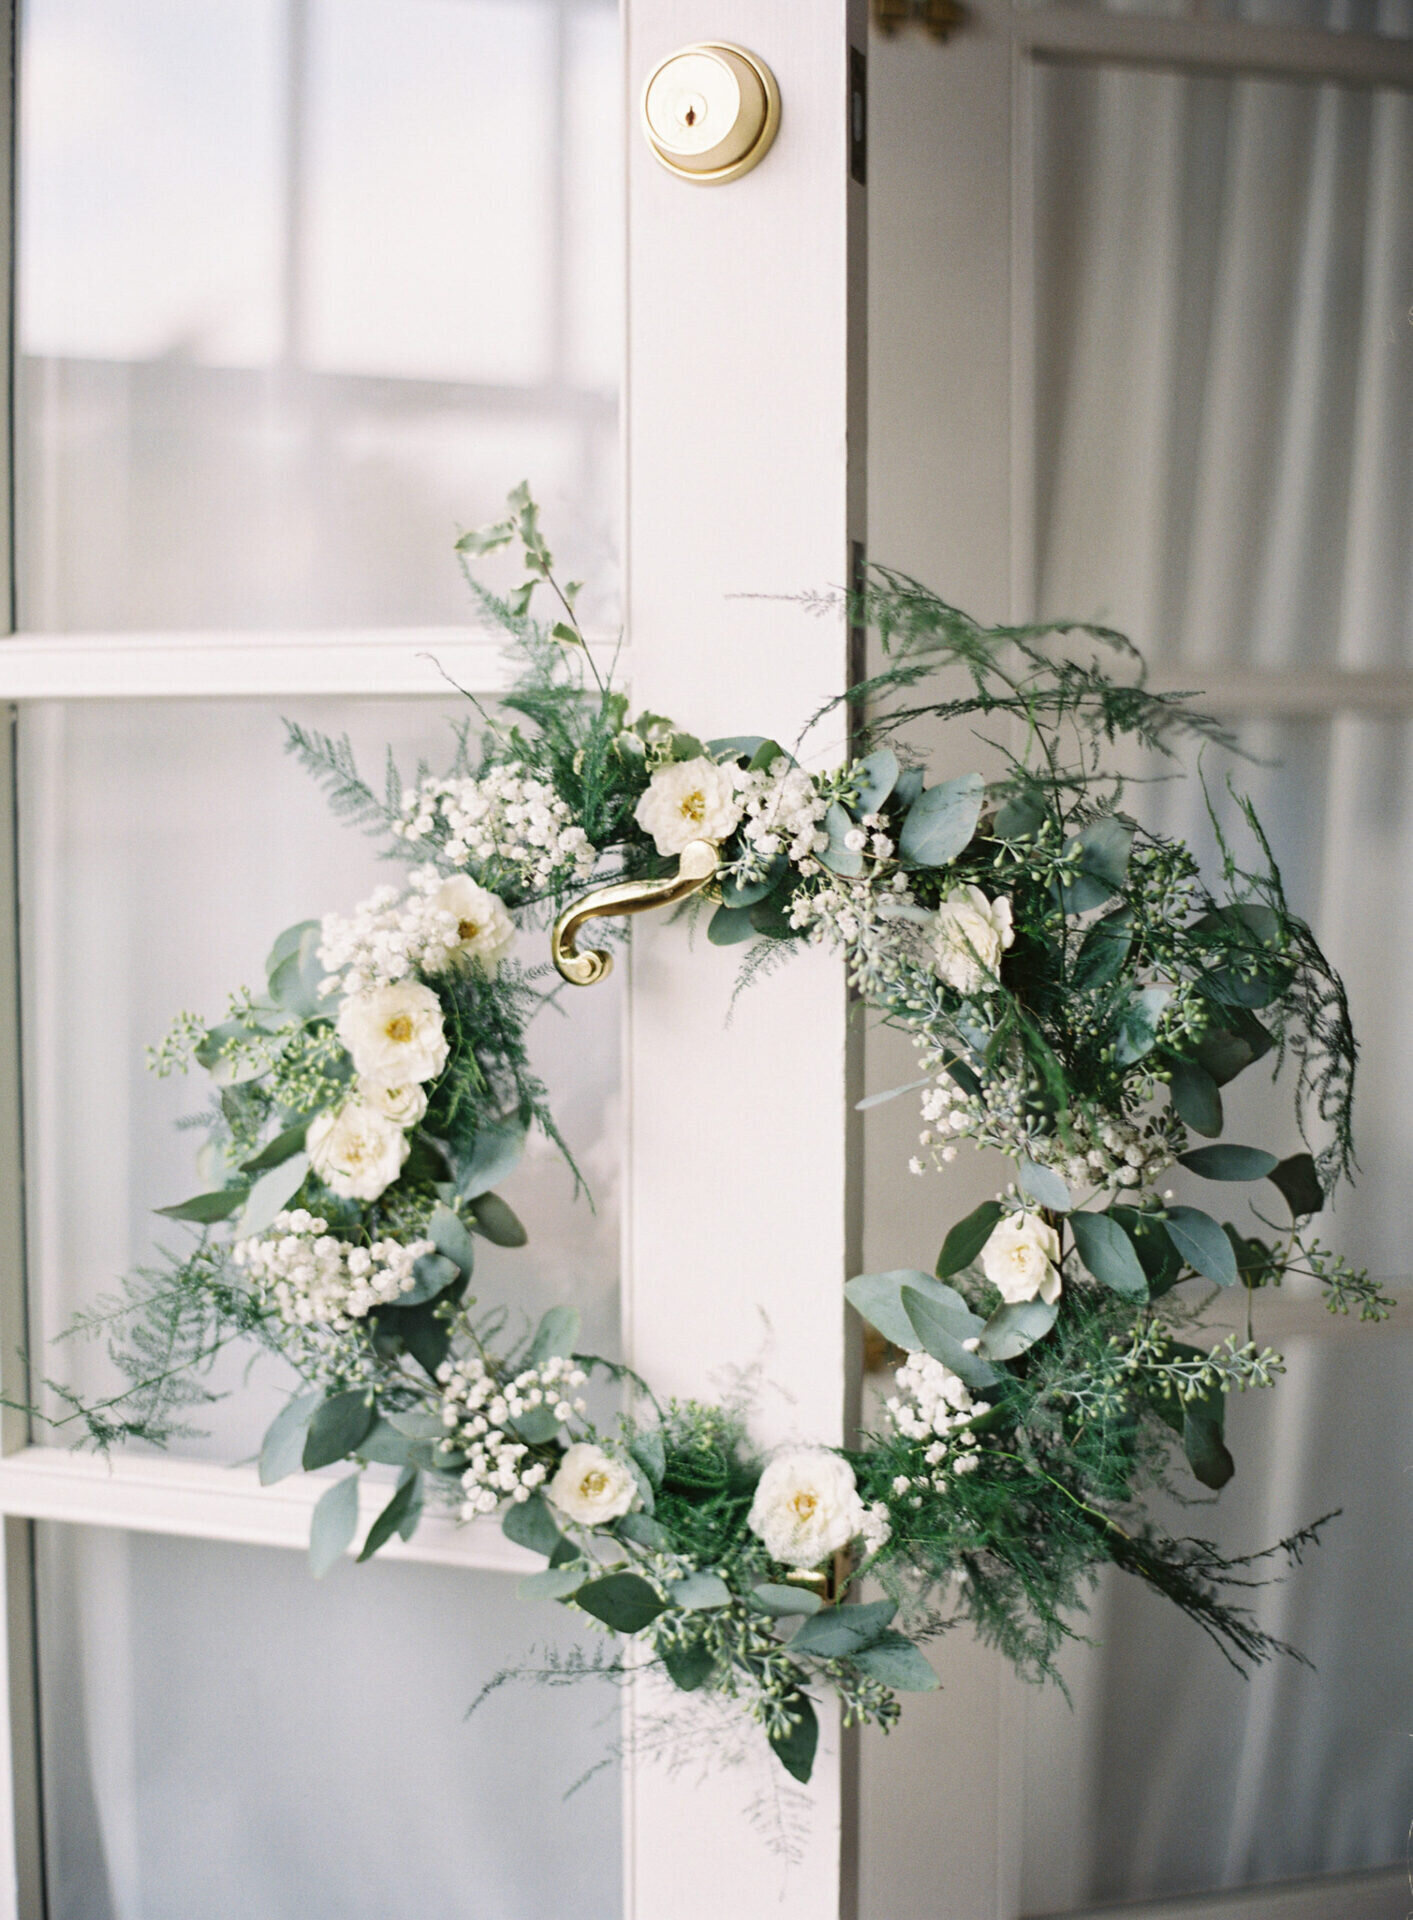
column 1224, row 468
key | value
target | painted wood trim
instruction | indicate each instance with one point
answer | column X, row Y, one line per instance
column 437, row 661
column 745, row 431
column 199, row 1501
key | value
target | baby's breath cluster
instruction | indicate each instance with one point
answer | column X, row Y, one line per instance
column 310, row 1276
column 936, row 1408
column 478, row 1409
column 508, row 824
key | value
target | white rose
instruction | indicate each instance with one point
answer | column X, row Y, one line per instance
column 969, row 935
column 356, row 1150
column 592, row 1487
column 406, row 1104
column 806, row 1507
column 689, row 800
column 1021, row 1259
column 484, row 929
column 394, row 1033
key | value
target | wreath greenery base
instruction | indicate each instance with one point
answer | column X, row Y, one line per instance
column 1080, row 997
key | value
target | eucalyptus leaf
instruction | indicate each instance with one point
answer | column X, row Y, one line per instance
column 278, row 1150
column 737, row 893
column 836, row 856
column 795, row 1747
column 333, row 1525
column 895, row 1661
column 1299, row 1184
column 1202, row 1244
column 699, row 1591
column 646, row 1497
column 338, row 1425
column 555, row 1337
column 394, row 1514
column 529, row 1523
column 1205, row 1446
column 837, row 1632
column 1043, row 1185
column 1195, row 1098
column 878, row 1297
column 1228, row 1162
column 271, row 1194
column 554, row 1583
column 736, row 746
column 967, row 1238
column 623, row 1601
column 1015, row 1327
column 644, row 1531
column 432, row 1273
column 495, row 1153
column 207, row 1208
column 650, row 1452
column 537, row 1427
column 909, row 785
column 1109, row 1254
column 881, row 1099
column 296, row 981
column 730, row 926
column 448, row 1233
column 282, row 1449
column 934, row 1330
column 1019, row 818
column 1104, row 950
column 877, row 775
column 1104, row 849
column 497, row 1222
column 942, row 821
column 774, row 1597
column 416, row 1425
column 689, row 1664
column 1137, row 1029
column 386, row 1445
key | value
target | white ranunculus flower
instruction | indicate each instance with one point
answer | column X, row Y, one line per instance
column 591, row 1486
column 1021, row 1259
column 356, row 1150
column 689, row 800
column 406, row 1104
column 484, row 929
column 969, row 935
column 394, row 1033
column 807, row 1506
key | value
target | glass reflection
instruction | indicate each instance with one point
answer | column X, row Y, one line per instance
column 303, row 285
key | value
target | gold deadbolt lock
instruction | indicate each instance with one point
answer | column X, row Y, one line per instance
column 711, row 112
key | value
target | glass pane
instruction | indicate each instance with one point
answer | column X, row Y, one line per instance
column 222, row 1735
column 1172, row 1774
column 1224, row 433
column 163, row 846
column 304, row 286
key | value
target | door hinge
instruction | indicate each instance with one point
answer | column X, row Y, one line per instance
column 939, row 18
column 858, row 116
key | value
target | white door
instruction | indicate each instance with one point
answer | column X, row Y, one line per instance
column 1141, row 348
column 301, row 286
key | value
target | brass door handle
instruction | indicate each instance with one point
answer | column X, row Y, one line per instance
column 698, row 864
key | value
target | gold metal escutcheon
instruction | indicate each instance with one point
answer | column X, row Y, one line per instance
column 711, row 111
column 698, row 864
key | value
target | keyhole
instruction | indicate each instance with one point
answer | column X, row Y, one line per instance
column 691, row 116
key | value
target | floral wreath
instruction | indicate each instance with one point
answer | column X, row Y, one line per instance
column 1078, row 996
